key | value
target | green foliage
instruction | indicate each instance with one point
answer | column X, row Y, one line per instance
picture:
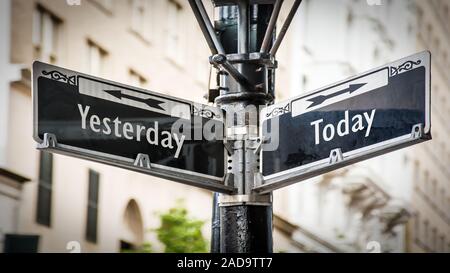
column 146, row 248
column 180, row 233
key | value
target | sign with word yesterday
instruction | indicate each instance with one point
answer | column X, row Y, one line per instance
column 100, row 120
column 379, row 111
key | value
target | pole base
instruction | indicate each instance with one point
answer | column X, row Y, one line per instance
column 246, row 229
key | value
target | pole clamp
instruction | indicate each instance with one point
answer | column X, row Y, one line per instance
column 249, row 200
column 49, row 141
column 221, row 61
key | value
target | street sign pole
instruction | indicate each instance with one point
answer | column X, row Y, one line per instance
column 215, row 225
column 245, row 218
column 243, row 48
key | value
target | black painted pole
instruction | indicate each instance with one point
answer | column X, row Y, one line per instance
column 246, row 229
column 215, row 225
column 245, row 218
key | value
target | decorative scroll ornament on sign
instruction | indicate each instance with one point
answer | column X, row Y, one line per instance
column 404, row 67
column 279, row 111
column 58, row 76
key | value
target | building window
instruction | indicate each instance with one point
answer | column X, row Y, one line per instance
column 173, row 48
column 92, row 208
column 44, row 200
column 96, row 59
column 15, row 243
column 137, row 80
column 141, row 19
column 46, row 34
column 133, row 228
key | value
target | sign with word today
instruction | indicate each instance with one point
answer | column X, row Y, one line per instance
column 376, row 112
column 100, row 120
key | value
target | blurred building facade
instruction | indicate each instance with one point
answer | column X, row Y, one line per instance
column 398, row 202
column 393, row 203
column 73, row 204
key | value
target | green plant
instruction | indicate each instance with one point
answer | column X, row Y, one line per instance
column 181, row 233
column 146, row 248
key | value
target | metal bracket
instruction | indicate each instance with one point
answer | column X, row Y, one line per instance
column 49, row 141
column 259, row 179
column 254, row 144
column 238, row 144
column 251, row 199
column 228, row 146
column 220, row 60
column 336, row 156
column 258, row 146
column 417, row 131
column 229, row 179
column 237, row 132
column 242, row 132
column 143, row 161
column 261, row 59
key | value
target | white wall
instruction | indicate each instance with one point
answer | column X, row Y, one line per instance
column 7, row 74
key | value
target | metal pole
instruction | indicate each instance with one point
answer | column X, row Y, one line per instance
column 285, row 27
column 243, row 27
column 245, row 218
column 273, row 21
column 215, row 225
column 246, row 229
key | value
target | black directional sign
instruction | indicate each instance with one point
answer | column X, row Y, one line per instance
column 370, row 114
column 100, row 120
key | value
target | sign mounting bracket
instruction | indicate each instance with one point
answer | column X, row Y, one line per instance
column 336, row 156
column 143, row 161
column 417, row 131
column 49, row 141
